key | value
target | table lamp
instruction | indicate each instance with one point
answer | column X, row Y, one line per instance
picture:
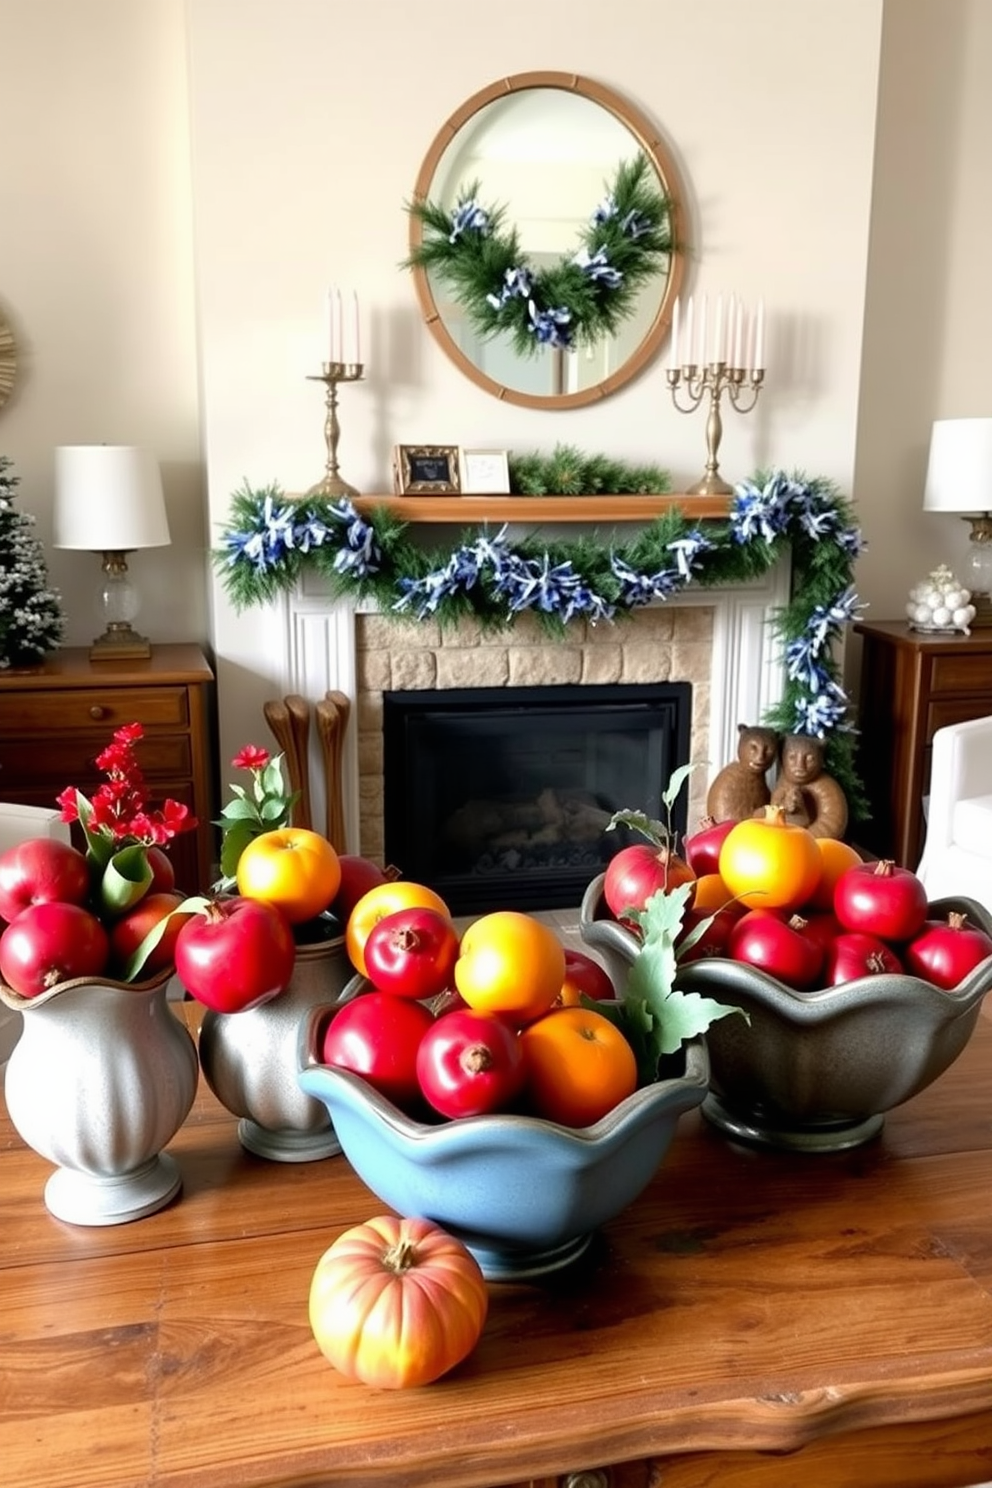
column 959, row 479
column 108, row 499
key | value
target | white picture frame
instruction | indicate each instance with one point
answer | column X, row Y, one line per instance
column 485, row 472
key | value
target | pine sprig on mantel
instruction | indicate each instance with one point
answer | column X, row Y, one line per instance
column 270, row 541
column 568, row 472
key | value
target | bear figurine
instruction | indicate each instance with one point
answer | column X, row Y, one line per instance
column 741, row 789
column 811, row 798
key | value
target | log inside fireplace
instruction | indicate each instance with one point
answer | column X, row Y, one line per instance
column 499, row 797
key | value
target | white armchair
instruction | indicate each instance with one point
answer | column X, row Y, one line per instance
column 20, row 824
column 957, row 852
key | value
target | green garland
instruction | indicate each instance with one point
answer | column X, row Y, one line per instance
column 270, row 541
column 568, row 472
column 585, row 295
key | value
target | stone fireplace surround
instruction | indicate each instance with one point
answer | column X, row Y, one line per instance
column 718, row 639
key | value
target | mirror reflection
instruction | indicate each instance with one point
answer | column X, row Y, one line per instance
column 545, row 239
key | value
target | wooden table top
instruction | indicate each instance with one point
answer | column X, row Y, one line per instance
column 750, row 1302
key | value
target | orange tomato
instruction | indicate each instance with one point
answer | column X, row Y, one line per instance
column 294, row 869
column 510, row 963
column 767, row 863
column 381, row 900
column 835, row 858
column 578, row 1066
column 711, row 895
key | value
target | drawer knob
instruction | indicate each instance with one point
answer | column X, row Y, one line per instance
column 97, row 712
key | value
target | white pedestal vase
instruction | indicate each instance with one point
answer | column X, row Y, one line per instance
column 101, row 1079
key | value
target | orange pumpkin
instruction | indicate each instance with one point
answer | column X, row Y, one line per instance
column 397, row 1302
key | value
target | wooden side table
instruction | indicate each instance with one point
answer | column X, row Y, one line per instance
column 56, row 718
column 911, row 685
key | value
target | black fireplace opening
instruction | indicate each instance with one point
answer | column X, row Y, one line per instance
column 499, row 797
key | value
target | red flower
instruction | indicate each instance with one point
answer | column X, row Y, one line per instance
column 251, row 757
column 119, row 808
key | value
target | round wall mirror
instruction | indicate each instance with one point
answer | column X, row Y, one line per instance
column 543, row 154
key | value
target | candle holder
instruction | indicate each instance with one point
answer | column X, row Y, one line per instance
column 714, row 378
column 332, row 374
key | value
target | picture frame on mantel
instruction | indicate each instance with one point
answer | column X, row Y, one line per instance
column 426, row 470
column 485, row 472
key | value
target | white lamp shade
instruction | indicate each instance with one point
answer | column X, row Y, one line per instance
column 959, row 472
column 108, row 499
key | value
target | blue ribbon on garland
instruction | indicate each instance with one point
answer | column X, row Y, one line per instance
column 262, row 547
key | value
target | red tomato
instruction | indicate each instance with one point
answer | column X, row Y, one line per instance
column 944, row 952
column 881, row 899
column 377, row 1036
column 470, row 1063
column 702, row 849
column 235, row 954
column 579, row 1066
column 584, row 977
column 49, row 943
column 412, row 952
column 776, row 944
column 855, row 954
column 397, row 1302
column 637, row 872
column 293, row 868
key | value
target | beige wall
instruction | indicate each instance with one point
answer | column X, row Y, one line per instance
column 307, row 123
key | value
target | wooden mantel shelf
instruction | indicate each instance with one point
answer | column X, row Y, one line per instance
column 471, row 510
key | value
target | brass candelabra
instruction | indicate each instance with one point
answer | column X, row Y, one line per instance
column 331, row 375
column 714, row 378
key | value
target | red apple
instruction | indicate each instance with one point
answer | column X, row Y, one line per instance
column 702, row 849
column 583, row 976
column 130, row 930
column 42, row 870
column 51, row 943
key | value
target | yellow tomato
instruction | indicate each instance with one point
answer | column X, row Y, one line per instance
column 767, row 863
column 385, row 899
column 578, row 1066
column 294, row 869
column 510, row 963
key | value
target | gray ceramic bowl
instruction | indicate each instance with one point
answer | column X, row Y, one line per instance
column 524, row 1195
column 813, row 1071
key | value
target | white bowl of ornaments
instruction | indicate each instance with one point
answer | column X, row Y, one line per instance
column 940, row 603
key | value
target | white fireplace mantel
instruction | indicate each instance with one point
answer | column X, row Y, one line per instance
column 746, row 677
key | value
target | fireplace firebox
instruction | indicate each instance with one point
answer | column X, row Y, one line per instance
column 499, row 798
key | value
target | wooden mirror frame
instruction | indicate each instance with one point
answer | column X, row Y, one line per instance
column 660, row 157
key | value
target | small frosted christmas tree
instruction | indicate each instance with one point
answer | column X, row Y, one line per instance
column 31, row 619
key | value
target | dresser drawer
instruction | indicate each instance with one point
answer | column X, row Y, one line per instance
column 67, row 760
column 95, row 709
column 954, row 710
column 963, row 672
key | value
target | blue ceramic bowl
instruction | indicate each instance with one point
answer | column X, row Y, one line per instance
column 814, row 1071
column 524, row 1195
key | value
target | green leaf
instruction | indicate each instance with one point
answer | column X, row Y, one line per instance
column 126, row 879
column 655, row 831
column 659, row 1015
column 234, row 843
column 675, row 784
column 238, row 811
